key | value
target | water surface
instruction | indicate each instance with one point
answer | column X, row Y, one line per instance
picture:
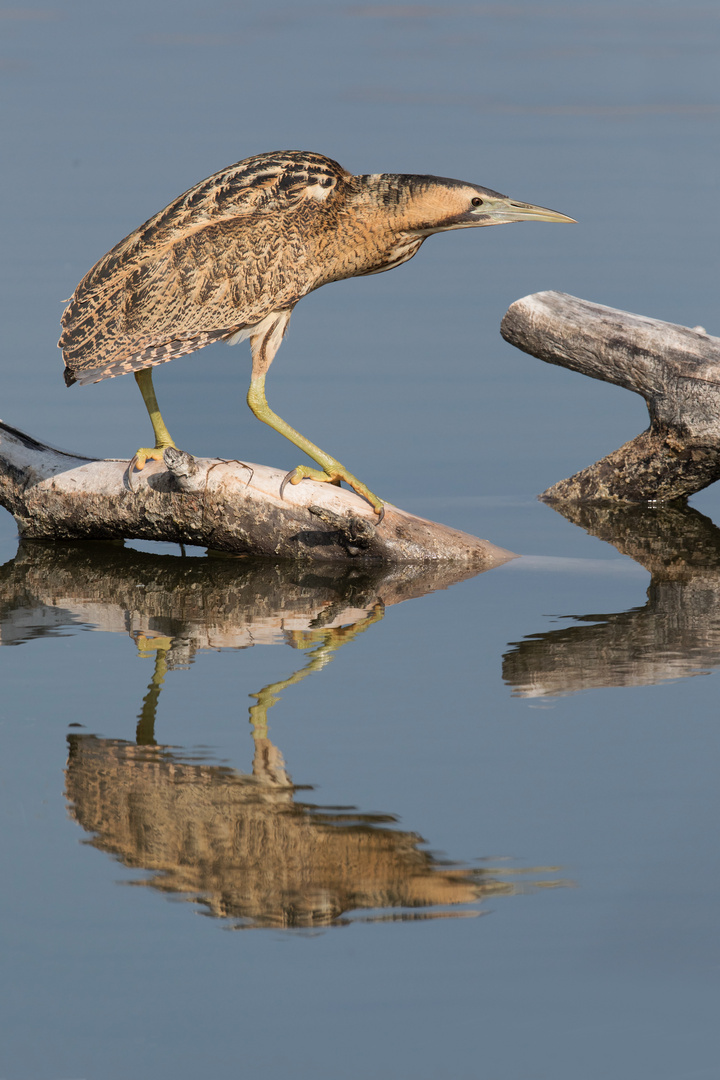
column 466, row 829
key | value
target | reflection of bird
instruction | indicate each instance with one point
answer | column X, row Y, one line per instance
column 247, row 848
column 230, row 258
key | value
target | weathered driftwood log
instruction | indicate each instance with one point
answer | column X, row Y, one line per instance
column 675, row 369
column 674, row 635
column 222, row 505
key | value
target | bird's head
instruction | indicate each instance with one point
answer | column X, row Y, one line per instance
column 424, row 205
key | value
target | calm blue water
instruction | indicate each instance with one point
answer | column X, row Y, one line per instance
column 535, row 749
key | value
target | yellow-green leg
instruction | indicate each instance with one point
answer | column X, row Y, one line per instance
column 326, row 642
column 145, row 733
column 162, row 435
column 333, row 472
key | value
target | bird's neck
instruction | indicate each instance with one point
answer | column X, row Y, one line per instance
column 369, row 236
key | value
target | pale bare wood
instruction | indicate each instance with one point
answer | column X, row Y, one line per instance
column 674, row 368
column 226, row 506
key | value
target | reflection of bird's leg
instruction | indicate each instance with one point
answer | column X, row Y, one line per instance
column 162, row 435
column 270, row 694
column 268, row 762
column 265, row 344
column 330, row 640
column 145, row 733
column 326, row 642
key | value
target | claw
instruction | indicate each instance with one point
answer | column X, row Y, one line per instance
column 288, row 479
column 129, row 472
column 140, row 458
column 302, row 472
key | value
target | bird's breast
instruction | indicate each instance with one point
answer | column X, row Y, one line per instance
column 395, row 255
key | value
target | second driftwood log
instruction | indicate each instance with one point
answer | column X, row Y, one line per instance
column 675, row 369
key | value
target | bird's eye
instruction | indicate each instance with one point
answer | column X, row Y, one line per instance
column 477, row 202
column 327, row 181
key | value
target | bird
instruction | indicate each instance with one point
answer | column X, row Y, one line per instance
column 231, row 257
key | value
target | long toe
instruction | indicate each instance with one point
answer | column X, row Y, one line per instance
column 334, row 476
column 142, row 455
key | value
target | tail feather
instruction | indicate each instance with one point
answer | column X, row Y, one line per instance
column 127, row 359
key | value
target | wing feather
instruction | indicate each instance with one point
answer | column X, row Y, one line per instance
column 219, row 258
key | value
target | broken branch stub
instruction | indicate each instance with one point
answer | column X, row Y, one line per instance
column 675, row 369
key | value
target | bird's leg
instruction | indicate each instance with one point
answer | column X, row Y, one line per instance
column 162, row 435
column 264, row 343
column 333, row 472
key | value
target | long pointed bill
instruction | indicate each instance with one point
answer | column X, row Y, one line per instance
column 497, row 210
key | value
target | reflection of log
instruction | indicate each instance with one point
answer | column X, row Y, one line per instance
column 243, row 847
column 199, row 603
column 674, row 542
column 674, row 635
column 226, row 506
column 675, row 369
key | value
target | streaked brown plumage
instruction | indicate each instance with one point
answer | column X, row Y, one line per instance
column 232, row 256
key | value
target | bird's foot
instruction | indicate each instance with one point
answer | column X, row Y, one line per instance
column 334, row 476
column 144, row 454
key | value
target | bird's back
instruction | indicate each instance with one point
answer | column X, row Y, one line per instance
column 243, row 243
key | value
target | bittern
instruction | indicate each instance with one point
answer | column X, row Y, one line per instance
column 230, row 259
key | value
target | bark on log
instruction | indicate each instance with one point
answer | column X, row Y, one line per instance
column 675, row 369
column 226, row 506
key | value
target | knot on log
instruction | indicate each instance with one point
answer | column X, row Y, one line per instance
column 354, row 533
column 184, row 468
